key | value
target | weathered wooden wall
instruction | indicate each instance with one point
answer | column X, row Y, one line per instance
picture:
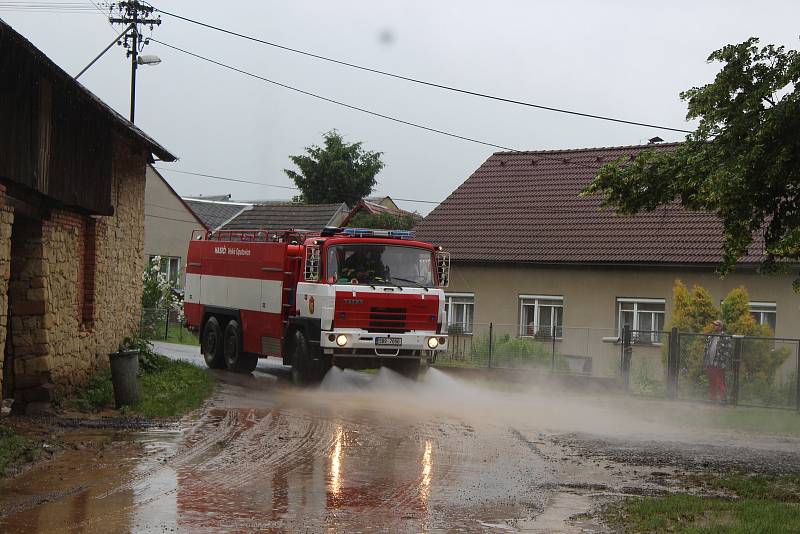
column 53, row 139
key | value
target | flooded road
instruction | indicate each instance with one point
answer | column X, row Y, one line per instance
column 362, row 453
column 269, row 457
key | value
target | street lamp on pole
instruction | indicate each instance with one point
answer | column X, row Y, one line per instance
column 135, row 14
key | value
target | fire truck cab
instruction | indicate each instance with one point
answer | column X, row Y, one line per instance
column 350, row 297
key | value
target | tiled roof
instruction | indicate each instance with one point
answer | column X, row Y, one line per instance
column 214, row 213
column 525, row 207
column 285, row 215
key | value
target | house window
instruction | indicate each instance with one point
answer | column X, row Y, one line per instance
column 645, row 317
column 541, row 316
column 460, row 311
column 171, row 267
column 764, row 313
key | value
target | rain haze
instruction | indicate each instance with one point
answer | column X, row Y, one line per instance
column 622, row 59
column 523, row 361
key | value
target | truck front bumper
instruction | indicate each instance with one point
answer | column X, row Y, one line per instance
column 359, row 343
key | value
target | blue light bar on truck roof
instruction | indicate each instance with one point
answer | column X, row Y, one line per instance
column 368, row 232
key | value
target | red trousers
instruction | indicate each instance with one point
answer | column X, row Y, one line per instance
column 716, row 383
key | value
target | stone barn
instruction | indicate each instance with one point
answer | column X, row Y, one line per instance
column 72, row 184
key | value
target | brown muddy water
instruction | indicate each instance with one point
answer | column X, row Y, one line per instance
column 363, row 453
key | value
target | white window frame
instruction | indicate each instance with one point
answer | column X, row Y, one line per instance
column 525, row 300
column 652, row 338
column 466, row 325
column 169, row 272
column 761, row 309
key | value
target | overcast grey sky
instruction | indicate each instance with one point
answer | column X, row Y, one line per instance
column 621, row 58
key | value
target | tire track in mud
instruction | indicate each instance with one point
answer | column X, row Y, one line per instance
column 265, row 447
column 211, row 453
column 224, row 431
column 189, row 448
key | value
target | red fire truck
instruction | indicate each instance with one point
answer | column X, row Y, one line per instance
column 349, row 297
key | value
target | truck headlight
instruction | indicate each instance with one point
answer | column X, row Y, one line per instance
column 341, row 340
column 433, row 343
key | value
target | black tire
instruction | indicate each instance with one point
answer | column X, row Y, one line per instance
column 236, row 360
column 212, row 344
column 305, row 369
column 408, row 368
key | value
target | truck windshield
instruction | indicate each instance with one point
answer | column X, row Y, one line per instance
column 379, row 264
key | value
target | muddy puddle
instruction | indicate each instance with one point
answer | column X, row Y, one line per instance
column 362, row 453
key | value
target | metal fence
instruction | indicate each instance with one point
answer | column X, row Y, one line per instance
column 665, row 364
column 164, row 325
column 757, row 371
column 587, row 351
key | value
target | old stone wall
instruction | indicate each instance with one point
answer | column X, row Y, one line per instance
column 75, row 284
column 94, row 281
column 28, row 294
column 6, row 220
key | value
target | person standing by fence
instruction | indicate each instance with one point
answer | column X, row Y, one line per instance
column 716, row 357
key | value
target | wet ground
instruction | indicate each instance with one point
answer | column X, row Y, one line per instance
column 369, row 453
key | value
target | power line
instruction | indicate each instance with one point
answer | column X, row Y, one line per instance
column 239, row 180
column 420, row 81
column 337, row 102
column 106, row 49
column 363, row 110
column 243, row 181
column 168, row 218
column 179, row 210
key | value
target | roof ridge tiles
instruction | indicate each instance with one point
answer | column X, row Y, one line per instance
column 583, row 150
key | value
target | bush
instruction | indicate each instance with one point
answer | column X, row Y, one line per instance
column 694, row 312
column 15, row 449
column 508, row 351
column 385, row 221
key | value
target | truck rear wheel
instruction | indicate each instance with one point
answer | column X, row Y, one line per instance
column 212, row 344
column 305, row 369
column 236, row 360
column 408, row 368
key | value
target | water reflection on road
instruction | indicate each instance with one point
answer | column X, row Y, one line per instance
column 268, row 457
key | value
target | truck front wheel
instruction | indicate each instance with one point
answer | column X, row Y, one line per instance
column 235, row 359
column 305, row 369
column 212, row 344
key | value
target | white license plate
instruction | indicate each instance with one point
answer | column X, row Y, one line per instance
column 388, row 341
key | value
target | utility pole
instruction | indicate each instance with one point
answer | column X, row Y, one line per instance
column 134, row 13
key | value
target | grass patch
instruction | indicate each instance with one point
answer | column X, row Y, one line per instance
column 784, row 488
column 758, row 420
column 762, row 504
column 174, row 334
column 14, row 449
column 168, row 388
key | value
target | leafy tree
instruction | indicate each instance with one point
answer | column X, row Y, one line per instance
column 337, row 172
column 742, row 162
column 387, row 221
